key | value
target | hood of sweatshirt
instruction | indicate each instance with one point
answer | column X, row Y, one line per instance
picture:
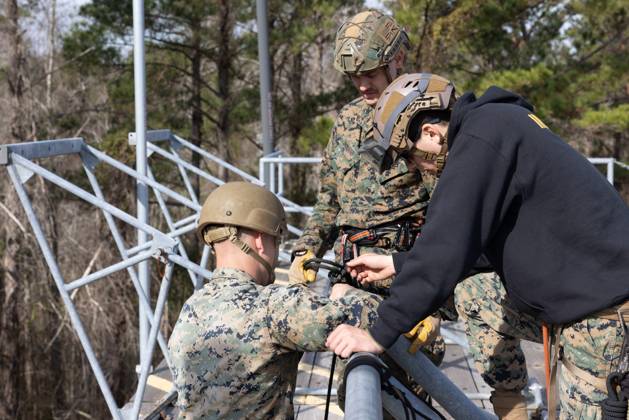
column 468, row 102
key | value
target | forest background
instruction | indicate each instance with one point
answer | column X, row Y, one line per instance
column 66, row 76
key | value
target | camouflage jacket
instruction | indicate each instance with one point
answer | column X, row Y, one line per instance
column 236, row 345
column 353, row 192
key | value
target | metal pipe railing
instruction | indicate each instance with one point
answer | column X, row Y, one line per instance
column 363, row 399
column 435, row 383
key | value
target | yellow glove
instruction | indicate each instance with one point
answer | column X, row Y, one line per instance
column 297, row 273
column 423, row 333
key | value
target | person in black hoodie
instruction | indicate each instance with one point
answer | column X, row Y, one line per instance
column 517, row 196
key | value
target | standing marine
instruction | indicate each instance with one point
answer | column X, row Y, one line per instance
column 513, row 194
column 358, row 209
column 238, row 340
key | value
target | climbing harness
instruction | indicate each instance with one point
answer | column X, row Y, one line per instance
column 404, row 233
column 330, row 380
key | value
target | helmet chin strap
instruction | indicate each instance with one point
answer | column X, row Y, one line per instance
column 232, row 234
column 438, row 158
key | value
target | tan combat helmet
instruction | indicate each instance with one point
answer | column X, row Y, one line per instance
column 406, row 98
column 368, row 41
column 237, row 205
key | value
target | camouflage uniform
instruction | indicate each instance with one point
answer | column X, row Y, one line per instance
column 353, row 192
column 236, row 345
column 495, row 327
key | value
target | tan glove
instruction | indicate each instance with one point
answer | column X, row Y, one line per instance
column 423, row 333
column 297, row 274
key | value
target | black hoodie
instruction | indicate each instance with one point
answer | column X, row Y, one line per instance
column 550, row 224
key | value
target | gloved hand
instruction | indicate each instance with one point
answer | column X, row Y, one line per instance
column 297, row 274
column 423, row 333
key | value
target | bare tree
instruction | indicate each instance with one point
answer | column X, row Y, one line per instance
column 11, row 289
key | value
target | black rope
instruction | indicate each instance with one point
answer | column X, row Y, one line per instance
column 330, row 380
column 615, row 405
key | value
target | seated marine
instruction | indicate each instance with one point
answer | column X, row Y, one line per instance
column 238, row 340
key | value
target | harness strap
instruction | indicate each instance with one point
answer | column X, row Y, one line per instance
column 231, row 233
column 612, row 313
column 405, row 232
column 598, row 383
column 552, row 393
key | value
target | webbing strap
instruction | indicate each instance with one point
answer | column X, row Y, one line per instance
column 231, row 233
column 552, row 393
column 247, row 250
column 598, row 383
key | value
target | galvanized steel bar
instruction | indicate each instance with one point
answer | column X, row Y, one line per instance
column 185, row 221
column 184, row 176
column 205, row 256
column 188, row 166
column 114, row 268
column 435, row 383
column 144, row 302
column 59, row 281
column 266, row 107
column 218, row 161
column 153, row 136
column 90, row 198
column 218, row 181
column 170, row 235
column 169, row 222
column 291, row 160
column 609, row 163
column 148, row 350
column 41, row 149
column 146, row 180
column 142, row 202
column 190, row 265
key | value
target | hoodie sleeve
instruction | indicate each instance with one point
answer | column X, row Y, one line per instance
column 465, row 210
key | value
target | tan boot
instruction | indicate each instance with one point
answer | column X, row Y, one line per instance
column 509, row 405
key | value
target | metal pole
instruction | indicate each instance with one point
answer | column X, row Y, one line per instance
column 435, row 383
column 59, row 281
column 139, row 79
column 610, row 171
column 363, row 398
column 266, row 110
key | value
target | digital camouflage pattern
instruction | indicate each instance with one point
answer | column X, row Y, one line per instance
column 495, row 327
column 353, row 192
column 236, row 345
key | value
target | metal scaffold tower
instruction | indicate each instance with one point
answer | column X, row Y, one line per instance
column 164, row 246
column 160, row 242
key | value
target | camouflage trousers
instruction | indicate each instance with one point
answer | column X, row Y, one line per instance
column 495, row 327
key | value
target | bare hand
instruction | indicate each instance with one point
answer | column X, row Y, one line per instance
column 339, row 290
column 346, row 340
column 370, row 267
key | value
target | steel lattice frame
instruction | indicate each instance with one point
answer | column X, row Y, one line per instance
column 19, row 160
